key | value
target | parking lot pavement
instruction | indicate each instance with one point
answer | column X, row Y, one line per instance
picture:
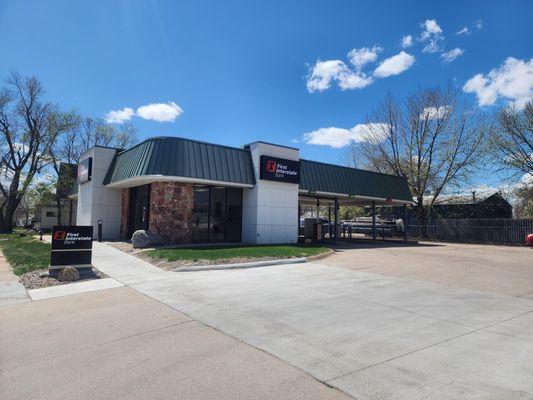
column 499, row 269
column 120, row 344
column 372, row 336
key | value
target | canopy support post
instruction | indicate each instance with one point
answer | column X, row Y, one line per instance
column 405, row 223
column 336, row 224
column 329, row 221
column 373, row 220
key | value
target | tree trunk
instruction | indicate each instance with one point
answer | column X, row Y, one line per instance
column 6, row 219
column 58, row 204
column 421, row 218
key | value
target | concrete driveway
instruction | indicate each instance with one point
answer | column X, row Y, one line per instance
column 370, row 335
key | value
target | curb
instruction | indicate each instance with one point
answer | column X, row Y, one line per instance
column 253, row 264
column 321, row 255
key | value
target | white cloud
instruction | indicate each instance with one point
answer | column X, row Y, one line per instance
column 464, row 31
column 431, row 35
column 161, row 112
column 341, row 137
column 353, row 80
column 479, row 24
column 407, row 41
column 527, row 179
column 360, row 57
column 435, row 112
column 513, row 80
column 451, row 55
column 119, row 116
column 324, row 73
column 394, row 65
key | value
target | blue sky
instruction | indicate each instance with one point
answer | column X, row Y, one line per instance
column 239, row 71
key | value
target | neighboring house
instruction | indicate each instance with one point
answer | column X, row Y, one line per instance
column 47, row 215
column 482, row 205
column 490, row 204
column 46, row 218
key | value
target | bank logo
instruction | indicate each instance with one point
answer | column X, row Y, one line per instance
column 271, row 166
column 60, row 235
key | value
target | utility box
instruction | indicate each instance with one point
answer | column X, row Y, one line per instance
column 312, row 229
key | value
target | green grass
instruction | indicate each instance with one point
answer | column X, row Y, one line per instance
column 224, row 253
column 24, row 253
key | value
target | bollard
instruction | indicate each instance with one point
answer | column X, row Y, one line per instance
column 99, row 230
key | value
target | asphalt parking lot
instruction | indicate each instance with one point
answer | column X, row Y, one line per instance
column 335, row 323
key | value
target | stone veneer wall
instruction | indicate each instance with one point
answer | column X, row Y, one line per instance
column 124, row 213
column 171, row 205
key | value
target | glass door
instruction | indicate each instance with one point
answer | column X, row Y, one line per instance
column 139, row 208
column 217, row 214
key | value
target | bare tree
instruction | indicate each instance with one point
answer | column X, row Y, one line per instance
column 512, row 141
column 524, row 202
column 83, row 134
column 431, row 139
column 29, row 129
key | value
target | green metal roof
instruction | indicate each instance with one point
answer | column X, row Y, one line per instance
column 171, row 156
column 181, row 157
column 329, row 178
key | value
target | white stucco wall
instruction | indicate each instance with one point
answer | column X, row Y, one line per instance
column 270, row 209
column 95, row 201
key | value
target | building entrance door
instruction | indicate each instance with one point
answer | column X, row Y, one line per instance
column 139, row 208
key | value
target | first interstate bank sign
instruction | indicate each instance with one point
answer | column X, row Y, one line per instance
column 279, row 169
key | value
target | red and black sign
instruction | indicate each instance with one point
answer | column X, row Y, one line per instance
column 71, row 245
column 279, row 169
column 85, row 170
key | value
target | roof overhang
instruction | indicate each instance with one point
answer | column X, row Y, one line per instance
column 345, row 199
column 146, row 179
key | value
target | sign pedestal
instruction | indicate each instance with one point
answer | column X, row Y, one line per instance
column 71, row 247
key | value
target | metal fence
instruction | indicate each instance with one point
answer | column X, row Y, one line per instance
column 494, row 230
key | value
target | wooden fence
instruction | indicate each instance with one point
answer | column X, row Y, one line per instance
column 496, row 230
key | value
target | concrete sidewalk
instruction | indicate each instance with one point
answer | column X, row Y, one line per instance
column 120, row 344
column 11, row 290
column 372, row 336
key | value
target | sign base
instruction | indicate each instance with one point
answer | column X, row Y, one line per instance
column 85, row 272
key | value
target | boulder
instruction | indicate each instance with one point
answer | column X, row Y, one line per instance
column 142, row 239
column 68, row 274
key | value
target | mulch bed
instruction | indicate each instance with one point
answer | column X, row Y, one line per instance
column 33, row 280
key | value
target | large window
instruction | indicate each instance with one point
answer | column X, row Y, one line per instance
column 217, row 214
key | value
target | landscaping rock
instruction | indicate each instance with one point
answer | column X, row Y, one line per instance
column 68, row 274
column 44, row 274
column 142, row 239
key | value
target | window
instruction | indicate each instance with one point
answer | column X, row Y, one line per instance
column 200, row 214
column 217, row 214
column 50, row 214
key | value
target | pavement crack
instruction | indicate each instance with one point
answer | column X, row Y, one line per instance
column 484, row 329
column 406, row 354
